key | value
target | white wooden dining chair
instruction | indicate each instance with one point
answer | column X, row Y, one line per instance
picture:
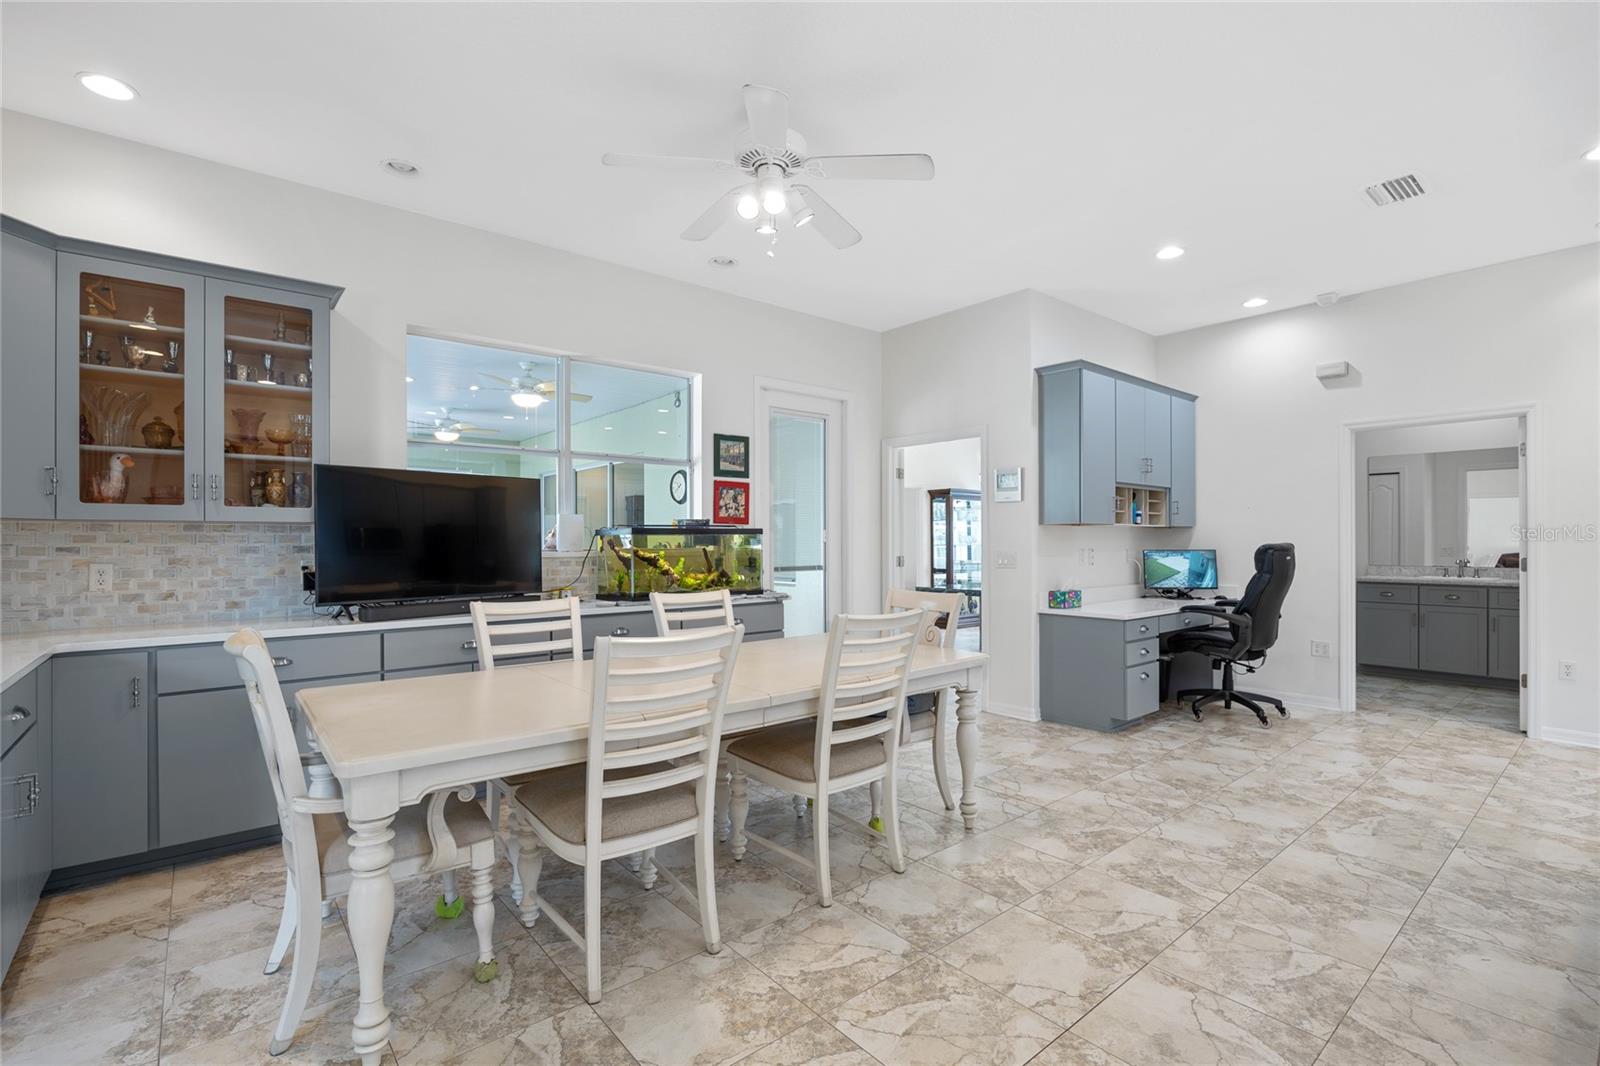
column 513, row 630
column 931, row 725
column 654, row 729
column 675, row 611
column 446, row 833
column 854, row 740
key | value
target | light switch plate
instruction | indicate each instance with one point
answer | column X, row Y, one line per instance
column 1320, row 649
column 1005, row 560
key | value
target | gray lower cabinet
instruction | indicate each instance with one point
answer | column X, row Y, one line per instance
column 100, row 736
column 27, row 376
column 1453, row 640
column 1505, row 644
column 1386, row 635
column 1103, row 673
column 25, row 794
column 210, row 778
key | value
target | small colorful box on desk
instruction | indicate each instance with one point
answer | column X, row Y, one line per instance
column 1065, row 599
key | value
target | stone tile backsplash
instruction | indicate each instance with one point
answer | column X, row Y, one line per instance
column 169, row 573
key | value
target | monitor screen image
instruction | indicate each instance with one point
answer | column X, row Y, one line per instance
column 1180, row 568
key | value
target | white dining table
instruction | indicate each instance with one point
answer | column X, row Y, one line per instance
column 392, row 743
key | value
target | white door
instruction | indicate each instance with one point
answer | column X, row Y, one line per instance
column 1383, row 519
column 1522, row 575
column 805, row 502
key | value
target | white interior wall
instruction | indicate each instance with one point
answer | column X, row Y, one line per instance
column 405, row 270
column 1521, row 332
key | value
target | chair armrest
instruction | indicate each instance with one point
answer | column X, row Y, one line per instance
column 1240, row 623
column 1215, row 611
column 1224, row 601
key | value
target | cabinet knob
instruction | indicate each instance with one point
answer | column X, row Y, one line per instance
column 1144, row 675
column 1144, row 629
column 621, row 631
column 134, row 695
column 1144, row 651
column 469, row 645
column 50, row 481
column 1452, row 595
column 1387, row 595
column 738, row 621
column 280, row 661
column 194, row 486
column 216, row 485
column 19, row 714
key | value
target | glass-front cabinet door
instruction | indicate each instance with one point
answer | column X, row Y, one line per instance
column 129, row 382
column 266, row 414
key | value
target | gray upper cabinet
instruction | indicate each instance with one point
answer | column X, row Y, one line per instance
column 27, row 377
column 1100, row 429
column 100, row 731
column 1181, row 509
column 128, row 373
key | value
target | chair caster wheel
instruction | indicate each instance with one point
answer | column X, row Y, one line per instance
column 1266, row 723
column 1283, row 712
column 1196, row 715
column 449, row 910
column 485, row 972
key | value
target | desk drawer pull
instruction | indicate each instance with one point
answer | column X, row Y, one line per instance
column 1387, row 595
column 280, row 661
column 1144, row 651
column 1144, row 675
column 469, row 645
column 1452, row 595
column 620, row 631
column 1144, row 629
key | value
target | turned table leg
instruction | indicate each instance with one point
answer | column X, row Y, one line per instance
column 967, row 701
column 370, row 916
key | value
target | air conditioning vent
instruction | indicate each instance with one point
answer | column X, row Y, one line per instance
column 1394, row 190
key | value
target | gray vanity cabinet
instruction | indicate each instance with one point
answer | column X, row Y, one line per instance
column 1386, row 635
column 1180, row 509
column 210, row 779
column 1144, row 435
column 100, row 733
column 27, row 376
column 1453, row 640
column 1505, row 646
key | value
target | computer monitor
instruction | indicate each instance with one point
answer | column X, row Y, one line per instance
column 1180, row 569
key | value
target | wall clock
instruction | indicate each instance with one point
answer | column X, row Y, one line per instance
column 679, row 486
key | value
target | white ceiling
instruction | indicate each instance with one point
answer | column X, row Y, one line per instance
column 1071, row 140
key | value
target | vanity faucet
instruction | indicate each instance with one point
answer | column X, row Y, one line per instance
column 1461, row 567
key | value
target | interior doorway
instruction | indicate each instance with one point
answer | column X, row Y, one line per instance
column 802, row 436
column 1438, row 585
column 936, row 522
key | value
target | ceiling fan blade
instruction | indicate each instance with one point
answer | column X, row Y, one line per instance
column 715, row 215
column 497, row 377
column 678, row 163
column 768, row 112
column 829, row 222
column 581, row 397
column 908, row 167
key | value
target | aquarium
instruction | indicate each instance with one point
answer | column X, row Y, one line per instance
column 638, row 560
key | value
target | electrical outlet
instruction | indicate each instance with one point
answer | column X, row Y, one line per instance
column 99, row 577
column 1005, row 560
column 1568, row 670
column 1320, row 649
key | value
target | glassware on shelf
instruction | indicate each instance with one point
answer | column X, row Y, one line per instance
column 266, row 366
column 149, row 316
column 177, row 412
column 88, row 345
column 248, row 419
column 302, row 435
column 133, row 354
column 230, row 369
column 111, row 413
column 171, row 364
column 300, row 490
column 276, row 490
column 282, row 436
column 157, row 433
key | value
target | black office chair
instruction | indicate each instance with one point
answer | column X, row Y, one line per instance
column 1252, row 628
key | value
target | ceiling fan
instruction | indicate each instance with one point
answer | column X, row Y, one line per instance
column 774, row 157
column 526, row 390
column 445, row 429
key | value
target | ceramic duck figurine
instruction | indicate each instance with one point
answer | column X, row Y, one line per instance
column 112, row 485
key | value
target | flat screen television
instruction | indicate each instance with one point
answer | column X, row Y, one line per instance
column 1182, row 569
column 389, row 536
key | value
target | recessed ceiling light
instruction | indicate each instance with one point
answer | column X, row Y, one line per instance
column 472, row 388
column 1171, row 251
column 723, row 261
column 410, row 380
column 107, row 86
column 605, row 427
column 509, row 418
column 661, row 433
column 1256, row 301
column 402, row 167
column 661, row 411
column 1593, row 154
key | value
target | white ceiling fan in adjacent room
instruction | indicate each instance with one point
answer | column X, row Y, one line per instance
column 526, row 390
column 775, row 158
column 444, row 429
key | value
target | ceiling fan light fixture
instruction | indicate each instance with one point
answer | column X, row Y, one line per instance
column 748, row 207
column 769, row 226
column 448, row 436
column 527, row 399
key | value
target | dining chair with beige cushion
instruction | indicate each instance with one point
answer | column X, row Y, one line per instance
column 675, row 611
column 929, row 723
column 445, row 833
column 655, row 727
column 854, row 739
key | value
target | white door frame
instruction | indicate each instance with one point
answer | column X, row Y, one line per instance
column 1529, row 412
column 891, row 504
column 837, row 579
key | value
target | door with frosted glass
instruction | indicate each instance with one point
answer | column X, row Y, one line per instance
column 802, row 441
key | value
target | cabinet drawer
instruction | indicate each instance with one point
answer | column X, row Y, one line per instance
column 1445, row 596
column 1143, row 651
column 759, row 617
column 202, row 666
column 1140, row 628
column 1144, row 691
column 1505, row 599
column 1379, row 592
column 617, row 624
column 410, row 649
column 1171, row 623
column 18, row 709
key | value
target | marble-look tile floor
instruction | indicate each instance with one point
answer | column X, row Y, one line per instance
column 1404, row 884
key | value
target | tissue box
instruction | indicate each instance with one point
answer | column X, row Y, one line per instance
column 1065, row 599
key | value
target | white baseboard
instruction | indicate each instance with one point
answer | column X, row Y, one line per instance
column 1010, row 710
column 1300, row 699
column 1574, row 737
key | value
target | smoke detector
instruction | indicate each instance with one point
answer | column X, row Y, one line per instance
column 1405, row 187
column 1327, row 299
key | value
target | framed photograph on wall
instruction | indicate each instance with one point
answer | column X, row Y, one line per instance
column 730, row 503
column 730, row 455
column 1007, row 484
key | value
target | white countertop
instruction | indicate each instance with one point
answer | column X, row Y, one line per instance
column 22, row 653
column 1435, row 579
column 1128, row 610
